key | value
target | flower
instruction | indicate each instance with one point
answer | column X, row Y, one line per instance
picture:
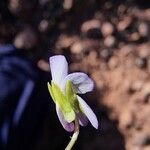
column 63, row 90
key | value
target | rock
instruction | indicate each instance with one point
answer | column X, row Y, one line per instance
column 125, row 119
column 22, row 8
column 107, row 29
column 141, row 139
column 14, row 5
column 143, row 50
column 67, row 4
column 91, row 28
column 113, row 62
column 26, row 39
column 127, row 49
column 143, row 29
column 77, row 48
column 109, row 41
column 90, row 24
column 65, row 41
column 121, row 9
column 146, row 93
column 141, row 62
column 123, row 24
column 134, row 37
column 105, row 54
column 43, row 65
column 146, row 89
column 84, row 46
column 146, row 148
column 43, row 2
column 136, row 86
column 43, row 26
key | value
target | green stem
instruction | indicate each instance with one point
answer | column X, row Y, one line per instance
column 74, row 136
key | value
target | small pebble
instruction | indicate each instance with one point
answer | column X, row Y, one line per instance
column 141, row 62
column 109, row 41
column 105, row 54
column 107, row 29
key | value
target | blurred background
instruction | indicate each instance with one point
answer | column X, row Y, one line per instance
column 107, row 39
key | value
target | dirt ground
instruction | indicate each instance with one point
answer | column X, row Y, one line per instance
column 109, row 40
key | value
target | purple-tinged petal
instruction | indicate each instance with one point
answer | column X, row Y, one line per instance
column 81, row 82
column 67, row 126
column 83, row 120
column 88, row 112
column 59, row 68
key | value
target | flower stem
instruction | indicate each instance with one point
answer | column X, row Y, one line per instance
column 74, row 136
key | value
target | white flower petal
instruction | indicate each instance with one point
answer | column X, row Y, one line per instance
column 59, row 68
column 81, row 82
column 67, row 126
column 88, row 112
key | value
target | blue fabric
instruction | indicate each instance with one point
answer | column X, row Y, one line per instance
column 14, row 71
column 17, row 79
